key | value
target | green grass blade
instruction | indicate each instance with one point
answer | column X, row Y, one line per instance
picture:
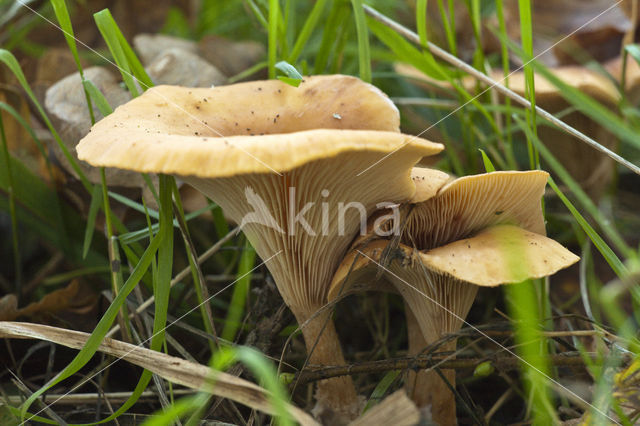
column 96, row 95
column 240, row 293
column 307, row 29
column 488, row 165
column 526, row 36
column 106, row 26
column 364, row 53
column 423, row 61
column 264, row 370
column 94, row 207
column 103, row 326
column 272, row 48
column 336, row 20
column 532, row 347
column 421, row 21
column 381, row 389
column 64, row 20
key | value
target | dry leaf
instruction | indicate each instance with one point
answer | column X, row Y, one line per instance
column 70, row 299
column 171, row 368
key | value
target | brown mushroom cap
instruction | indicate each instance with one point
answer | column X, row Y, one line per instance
column 447, row 275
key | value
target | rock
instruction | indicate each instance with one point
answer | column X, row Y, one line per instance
column 66, row 105
column 230, row 57
column 149, row 46
column 183, row 68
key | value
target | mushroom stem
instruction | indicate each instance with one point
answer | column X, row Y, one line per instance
column 425, row 387
column 337, row 399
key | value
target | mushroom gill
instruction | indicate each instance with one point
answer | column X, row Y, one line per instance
column 467, row 235
column 287, row 164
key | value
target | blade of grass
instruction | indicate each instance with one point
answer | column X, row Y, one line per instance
column 64, row 20
column 381, row 389
column 240, row 293
column 94, row 207
column 335, row 21
column 106, row 24
column 307, row 29
column 102, row 327
column 364, row 54
column 272, row 48
column 196, row 274
column 161, row 289
column 488, row 165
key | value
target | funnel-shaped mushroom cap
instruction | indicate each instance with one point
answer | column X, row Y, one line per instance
column 469, row 204
column 300, row 188
column 460, row 208
column 305, row 163
column 187, row 131
column 502, row 254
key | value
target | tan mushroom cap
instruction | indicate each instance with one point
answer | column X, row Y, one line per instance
column 501, row 254
column 316, row 142
column 590, row 82
column 181, row 130
column 469, row 204
column 209, row 157
column 428, row 181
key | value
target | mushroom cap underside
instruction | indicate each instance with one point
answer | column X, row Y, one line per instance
column 500, row 254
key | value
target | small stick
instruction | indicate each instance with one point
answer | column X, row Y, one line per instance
column 504, row 363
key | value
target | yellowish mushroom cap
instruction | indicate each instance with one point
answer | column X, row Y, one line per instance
column 466, row 205
column 459, row 209
column 589, row 82
column 447, row 275
column 428, row 182
column 300, row 169
column 498, row 255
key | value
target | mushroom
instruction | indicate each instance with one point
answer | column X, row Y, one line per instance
column 482, row 230
column 592, row 169
column 279, row 162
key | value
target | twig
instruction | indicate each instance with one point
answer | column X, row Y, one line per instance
column 446, row 56
column 504, row 363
